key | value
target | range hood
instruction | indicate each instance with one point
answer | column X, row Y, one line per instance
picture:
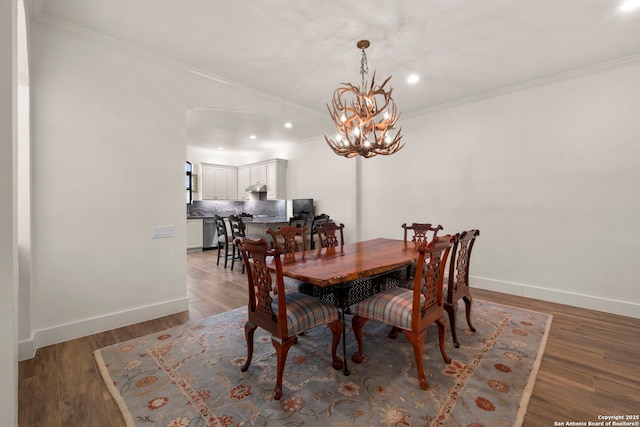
column 256, row 188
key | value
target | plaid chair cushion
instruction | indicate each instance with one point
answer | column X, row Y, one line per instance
column 295, row 285
column 306, row 312
column 392, row 306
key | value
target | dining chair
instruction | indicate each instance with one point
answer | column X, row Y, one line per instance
column 300, row 220
column 291, row 239
column 327, row 234
column 283, row 314
column 317, row 220
column 223, row 240
column 411, row 310
column 237, row 231
column 458, row 280
column 422, row 232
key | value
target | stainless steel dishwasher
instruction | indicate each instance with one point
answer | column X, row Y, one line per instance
column 209, row 234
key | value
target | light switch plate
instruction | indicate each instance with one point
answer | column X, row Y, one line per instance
column 162, row 231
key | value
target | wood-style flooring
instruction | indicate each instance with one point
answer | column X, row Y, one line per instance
column 590, row 366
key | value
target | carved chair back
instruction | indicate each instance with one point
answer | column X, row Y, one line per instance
column 421, row 232
column 327, row 234
column 428, row 303
column 289, row 238
column 256, row 253
column 317, row 220
column 458, row 285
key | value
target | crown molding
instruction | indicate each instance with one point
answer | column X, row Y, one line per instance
column 543, row 81
column 35, row 12
column 64, row 27
column 32, row 9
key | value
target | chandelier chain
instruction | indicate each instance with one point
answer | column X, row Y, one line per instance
column 364, row 68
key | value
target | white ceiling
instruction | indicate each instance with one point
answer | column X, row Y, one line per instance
column 299, row 51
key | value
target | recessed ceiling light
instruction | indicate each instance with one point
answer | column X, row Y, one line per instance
column 413, row 78
column 288, row 125
column 252, row 137
column 220, row 148
column 629, row 5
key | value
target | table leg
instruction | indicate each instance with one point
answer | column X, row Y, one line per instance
column 344, row 342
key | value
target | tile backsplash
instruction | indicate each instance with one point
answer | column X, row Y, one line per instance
column 277, row 208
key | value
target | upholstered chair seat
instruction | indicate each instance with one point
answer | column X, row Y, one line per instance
column 392, row 306
column 305, row 312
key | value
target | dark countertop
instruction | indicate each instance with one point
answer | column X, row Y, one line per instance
column 209, row 216
column 265, row 220
column 254, row 220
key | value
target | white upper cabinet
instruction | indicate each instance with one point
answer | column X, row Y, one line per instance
column 244, row 181
column 276, row 179
column 218, row 182
column 259, row 174
column 232, row 184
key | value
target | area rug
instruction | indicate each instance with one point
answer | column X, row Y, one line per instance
column 189, row 376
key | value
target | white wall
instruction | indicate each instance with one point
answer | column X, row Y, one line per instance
column 103, row 173
column 108, row 151
column 8, row 238
column 315, row 172
column 549, row 174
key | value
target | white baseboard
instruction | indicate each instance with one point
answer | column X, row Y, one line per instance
column 622, row 308
column 60, row 333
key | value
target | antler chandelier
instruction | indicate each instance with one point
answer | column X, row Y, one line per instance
column 365, row 117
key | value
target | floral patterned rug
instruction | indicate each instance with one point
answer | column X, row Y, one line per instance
column 190, row 375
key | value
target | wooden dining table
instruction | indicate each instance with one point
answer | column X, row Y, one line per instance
column 332, row 266
column 348, row 274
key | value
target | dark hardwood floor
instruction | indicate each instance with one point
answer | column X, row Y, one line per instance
column 590, row 366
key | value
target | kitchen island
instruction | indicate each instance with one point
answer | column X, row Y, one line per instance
column 257, row 226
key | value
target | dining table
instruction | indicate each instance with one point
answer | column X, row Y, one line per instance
column 348, row 274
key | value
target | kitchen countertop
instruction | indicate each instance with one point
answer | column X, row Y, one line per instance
column 265, row 220
column 254, row 220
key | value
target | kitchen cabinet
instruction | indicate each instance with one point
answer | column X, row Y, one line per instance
column 232, row 183
column 259, row 174
column 194, row 234
column 218, row 182
column 273, row 173
column 276, row 179
column 257, row 227
column 244, row 181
